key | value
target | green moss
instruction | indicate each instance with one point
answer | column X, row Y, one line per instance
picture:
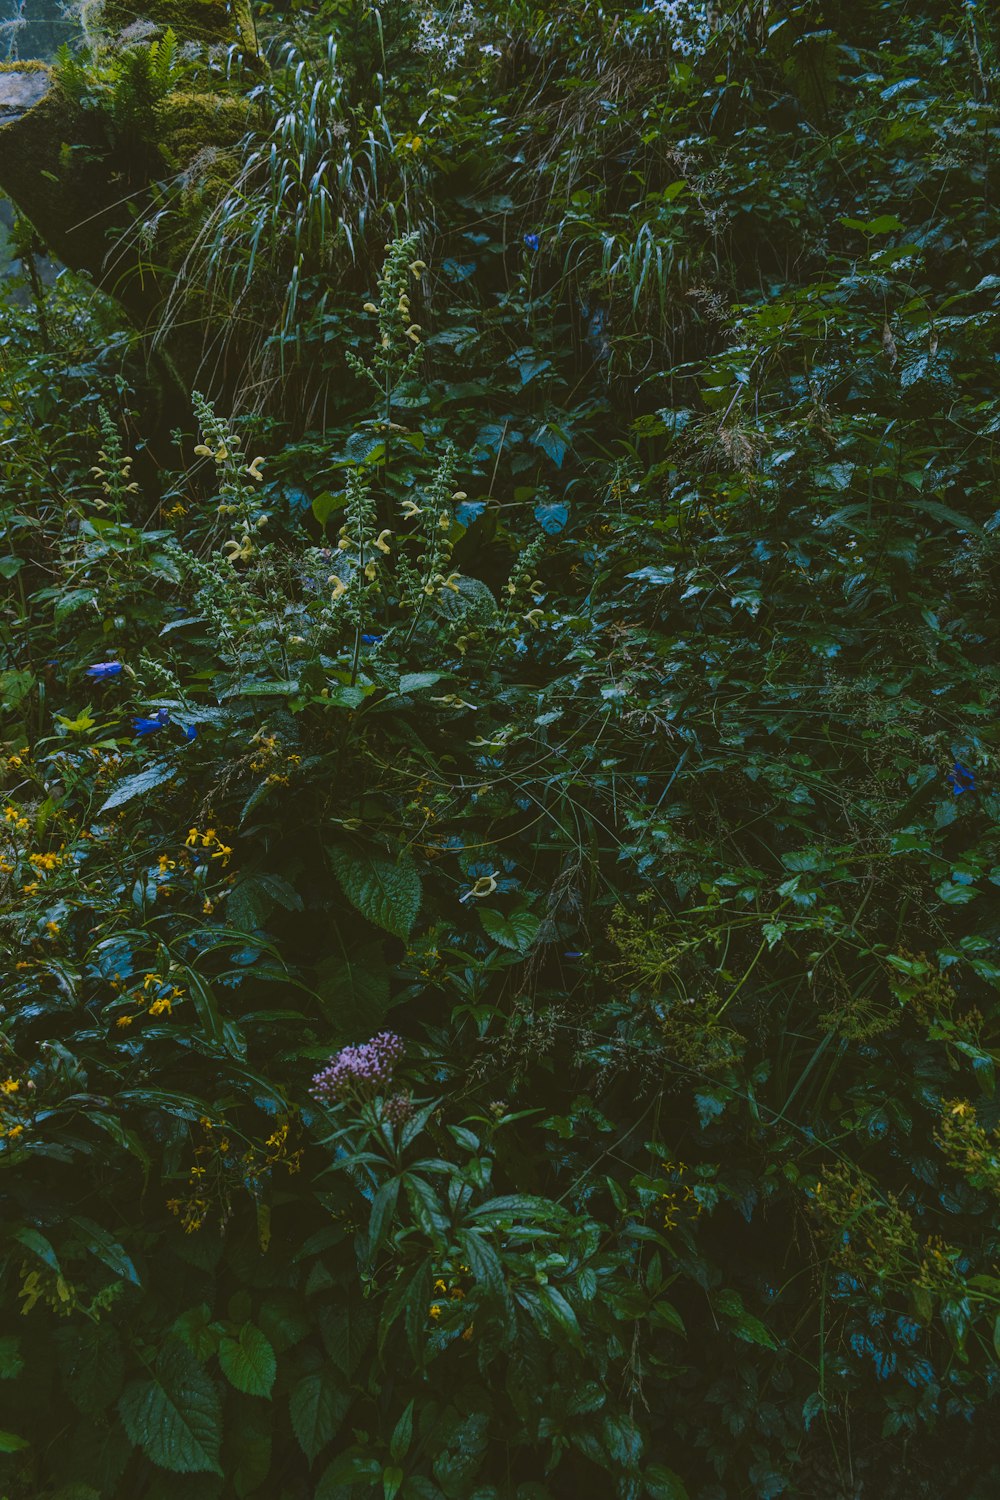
column 189, row 121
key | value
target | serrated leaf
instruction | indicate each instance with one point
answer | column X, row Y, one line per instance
column 518, row 931
column 348, row 1330
column 317, row 1406
column 387, row 892
column 248, row 1361
column 134, row 786
column 175, row 1418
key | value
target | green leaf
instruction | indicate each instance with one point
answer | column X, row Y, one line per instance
column 11, row 1443
column 317, row 1406
column 353, row 987
column 518, row 931
column 248, row 1361
column 348, row 1330
column 663, row 1484
column 11, row 1363
column 134, row 786
column 387, row 892
column 175, row 1417
column 743, row 1324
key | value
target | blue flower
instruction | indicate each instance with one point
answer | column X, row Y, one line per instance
column 371, row 640
column 104, row 669
column 962, row 779
column 532, row 241
column 150, row 726
column 191, row 732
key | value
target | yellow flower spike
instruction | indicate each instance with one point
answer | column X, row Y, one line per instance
column 339, row 587
column 382, row 544
column 411, row 510
column 253, row 469
column 203, row 450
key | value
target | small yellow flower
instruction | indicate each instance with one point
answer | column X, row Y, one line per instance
column 484, row 886
column 14, row 1132
column 435, row 1311
column 203, row 450
column 239, row 551
column 254, row 469
column 440, row 1286
column 52, row 928
column 10, row 1085
column 161, row 1007
column 339, row 588
column 123, row 1022
column 411, row 510
column 370, row 307
column 381, row 543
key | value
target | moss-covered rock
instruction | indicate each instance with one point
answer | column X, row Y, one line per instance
column 190, row 122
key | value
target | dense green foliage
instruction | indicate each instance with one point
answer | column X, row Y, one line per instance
column 594, row 684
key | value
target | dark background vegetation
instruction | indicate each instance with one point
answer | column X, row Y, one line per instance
column 633, row 759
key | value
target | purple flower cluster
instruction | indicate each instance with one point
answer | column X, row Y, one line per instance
column 359, row 1072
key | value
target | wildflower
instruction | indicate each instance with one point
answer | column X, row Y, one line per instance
column 150, row 726
column 191, row 732
column 105, row 669
column 371, row 640
column 484, row 886
column 417, row 268
column 14, row 1132
column 238, row 551
column 532, row 241
column 381, row 543
column 451, row 582
column 253, row 469
column 440, row 1286
column 160, row 1007
column 413, row 333
column 435, row 1311
column 203, row 450
column 533, row 617
column 124, row 1022
column 166, row 864
column 370, row 307
column 10, row 1085
column 962, row 779
column 359, row 1072
column 52, row 928
column 411, row 510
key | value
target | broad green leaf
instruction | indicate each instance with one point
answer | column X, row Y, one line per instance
column 134, row 786
column 175, row 1417
column 317, row 1406
column 248, row 1361
column 385, row 891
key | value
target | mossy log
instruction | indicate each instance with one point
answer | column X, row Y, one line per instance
column 52, row 167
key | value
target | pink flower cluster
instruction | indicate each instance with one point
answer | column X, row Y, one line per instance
column 359, row 1073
